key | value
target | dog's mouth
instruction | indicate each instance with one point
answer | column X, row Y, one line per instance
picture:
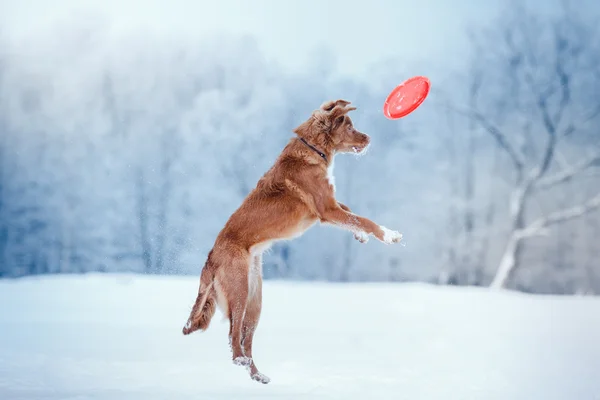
column 359, row 149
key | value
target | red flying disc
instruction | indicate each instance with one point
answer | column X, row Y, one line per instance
column 406, row 97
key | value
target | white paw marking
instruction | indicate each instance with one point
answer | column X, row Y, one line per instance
column 261, row 378
column 390, row 236
column 361, row 236
column 242, row 361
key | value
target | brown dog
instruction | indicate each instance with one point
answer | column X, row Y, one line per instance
column 294, row 194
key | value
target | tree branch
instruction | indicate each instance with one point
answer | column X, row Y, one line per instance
column 551, row 145
column 550, row 122
column 569, row 173
column 563, row 77
column 542, row 103
column 537, row 226
column 572, row 128
column 499, row 136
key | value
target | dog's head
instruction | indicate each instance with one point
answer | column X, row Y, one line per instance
column 331, row 130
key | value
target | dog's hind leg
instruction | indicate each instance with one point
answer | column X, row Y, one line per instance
column 235, row 289
column 205, row 305
column 252, row 316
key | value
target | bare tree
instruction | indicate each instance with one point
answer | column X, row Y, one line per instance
column 121, row 124
column 534, row 72
column 471, row 205
column 143, row 220
column 591, row 281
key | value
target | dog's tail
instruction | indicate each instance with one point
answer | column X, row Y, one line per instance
column 205, row 305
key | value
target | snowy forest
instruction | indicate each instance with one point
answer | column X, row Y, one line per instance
column 129, row 155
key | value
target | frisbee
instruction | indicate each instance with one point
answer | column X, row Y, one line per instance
column 406, row 97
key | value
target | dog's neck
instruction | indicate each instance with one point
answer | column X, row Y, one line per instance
column 319, row 152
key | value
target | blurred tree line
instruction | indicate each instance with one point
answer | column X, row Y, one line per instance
column 130, row 154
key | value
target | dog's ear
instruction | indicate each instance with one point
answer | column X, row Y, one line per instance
column 328, row 117
column 329, row 105
column 338, row 115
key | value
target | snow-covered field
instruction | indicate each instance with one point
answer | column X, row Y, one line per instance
column 119, row 337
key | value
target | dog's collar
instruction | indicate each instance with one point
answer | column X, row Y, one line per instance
column 315, row 149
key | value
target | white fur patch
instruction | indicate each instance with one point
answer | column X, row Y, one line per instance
column 389, row 235
column 362, row 236
column 254, row 274
column 260, row 248
column 330, row 176
column 255, row 268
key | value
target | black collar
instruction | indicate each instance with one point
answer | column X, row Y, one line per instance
column 315, row 149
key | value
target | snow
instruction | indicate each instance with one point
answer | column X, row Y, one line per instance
column 119, row 337
column 389, row 235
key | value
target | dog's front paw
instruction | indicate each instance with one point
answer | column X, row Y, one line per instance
column 390, row 236
column 362, row 237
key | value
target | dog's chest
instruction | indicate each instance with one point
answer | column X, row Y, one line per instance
column 330, row 176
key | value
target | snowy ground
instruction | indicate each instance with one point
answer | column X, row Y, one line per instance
column 119, row 337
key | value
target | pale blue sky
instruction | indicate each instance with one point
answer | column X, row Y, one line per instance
column 361, row 32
